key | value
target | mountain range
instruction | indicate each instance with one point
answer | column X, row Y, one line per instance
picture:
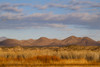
column 43, row 41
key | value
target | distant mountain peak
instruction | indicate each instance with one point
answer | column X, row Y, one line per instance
column 3, row 38
column 72, row 37
column 42, row 39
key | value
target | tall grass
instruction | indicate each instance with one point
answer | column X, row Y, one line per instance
column 50, row 54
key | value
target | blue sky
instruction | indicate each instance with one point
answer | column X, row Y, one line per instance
column 25, row 19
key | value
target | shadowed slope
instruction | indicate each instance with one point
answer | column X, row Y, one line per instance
column 72, row 40
column 88, row 42
column 10, row 42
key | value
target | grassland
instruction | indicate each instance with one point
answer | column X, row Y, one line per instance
column 84, row 55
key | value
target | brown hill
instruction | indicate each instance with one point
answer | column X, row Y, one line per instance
column 14, row 42
column 85, row 41
column 72, row 40
column 43, row 41
column 10, row 42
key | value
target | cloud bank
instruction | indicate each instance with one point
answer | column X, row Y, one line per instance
column 86, row 20
column 82, row 14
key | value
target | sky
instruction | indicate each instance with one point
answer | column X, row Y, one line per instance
column 25, row 19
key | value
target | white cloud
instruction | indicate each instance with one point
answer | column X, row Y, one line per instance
column 21, row 4
column 41, row 7
column 4, row 5
column 96, row 5
column 7, row 7
column 57, row 25
column 12, row 9
column 58, row 5
column 53, row 5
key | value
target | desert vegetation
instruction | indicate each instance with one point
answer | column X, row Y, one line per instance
column 50, row 55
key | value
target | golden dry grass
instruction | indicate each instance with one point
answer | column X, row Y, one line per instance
column 50, row 55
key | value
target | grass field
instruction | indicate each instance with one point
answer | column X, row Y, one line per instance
column 69, row 55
